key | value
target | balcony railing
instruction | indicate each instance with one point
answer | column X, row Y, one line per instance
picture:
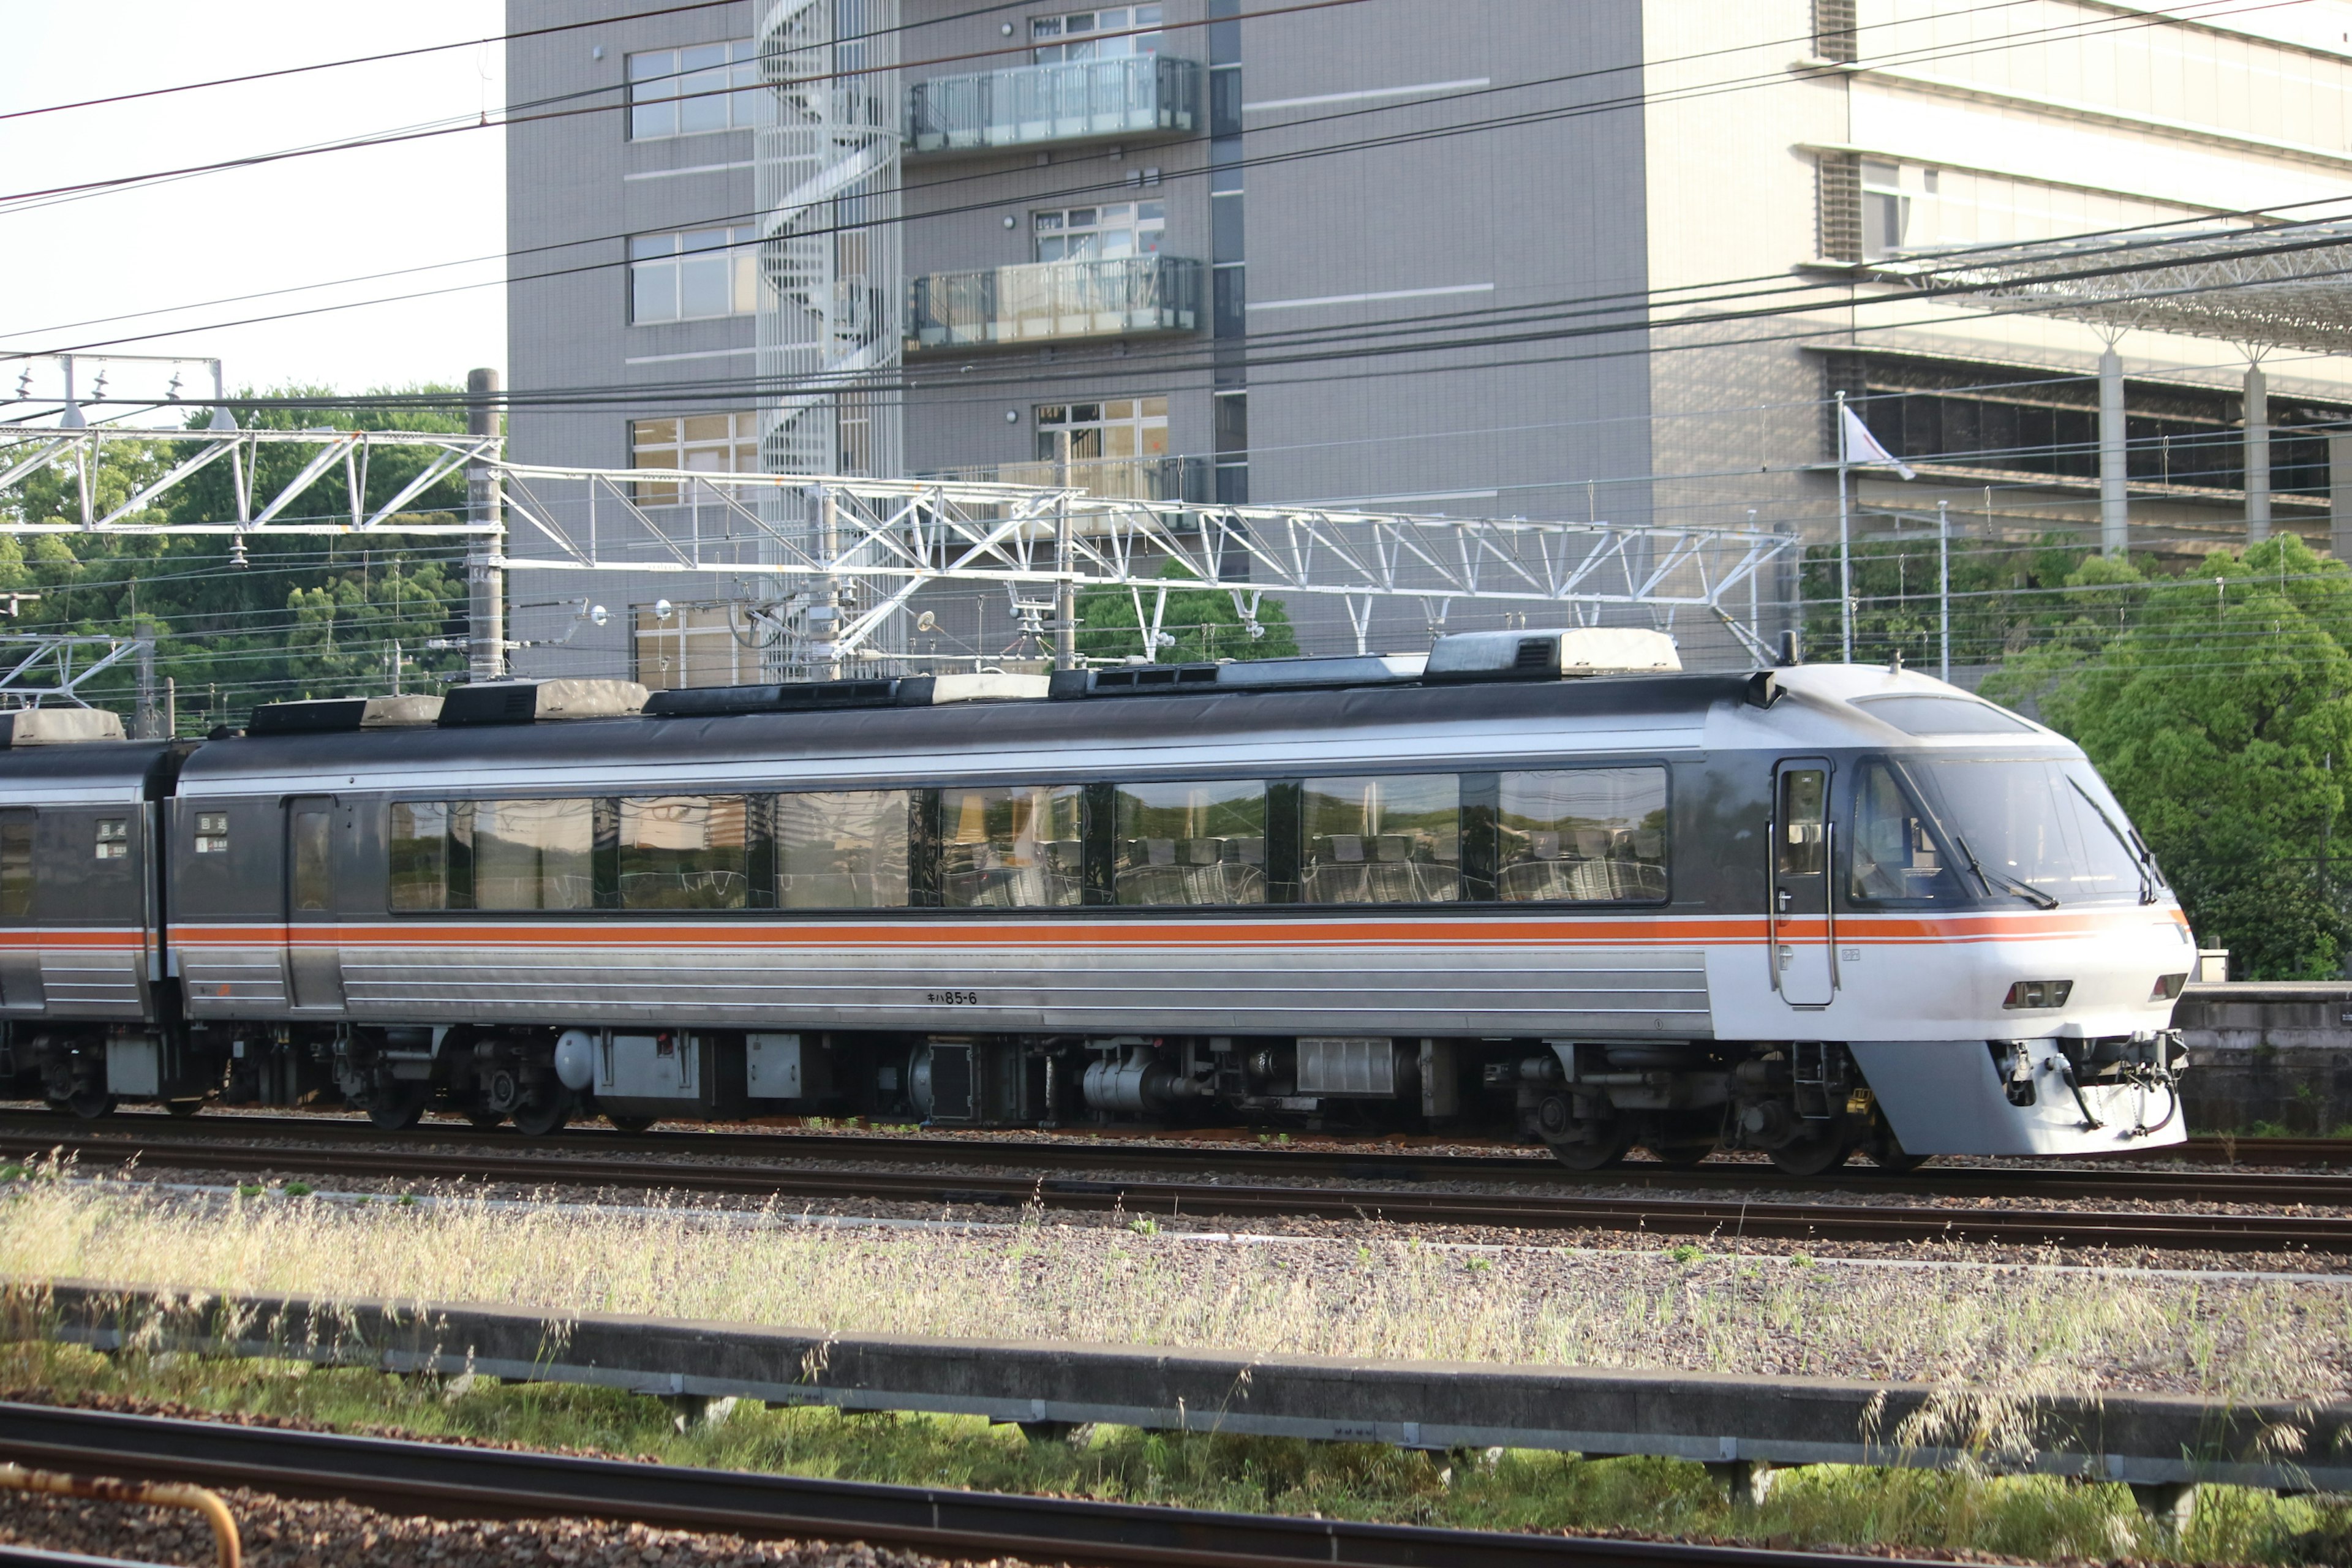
column 1110, row 478
column 1054, row 301
column 1069, row 100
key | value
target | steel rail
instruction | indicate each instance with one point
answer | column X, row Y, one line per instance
column 2111, row 1180
column 1205, row 1195
column 408, row 1478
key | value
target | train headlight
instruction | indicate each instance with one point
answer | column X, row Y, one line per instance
column 2038, row 993
column 2167, row 986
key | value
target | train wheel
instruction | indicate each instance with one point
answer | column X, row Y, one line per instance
column 629, row 1123
column 535, row 1120
column 1605, row 1148
column 183, row 1109
column 1886, row 1151
column 1813, row 1156
column 396, row 1108
column 90, row 1104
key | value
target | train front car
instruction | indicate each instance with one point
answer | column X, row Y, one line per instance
column 1979, row 949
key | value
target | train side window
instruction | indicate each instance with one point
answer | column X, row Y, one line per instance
column 686, row 852
column 1012, row 847
column 418, row 835
column 1189, row 844
column 840, row 849
column 113, row 838
column 1894, row 856
column 1801, row 818
column 1382, row 840
column 1585, row 835
column 534, row 854
column 212, row 833
column 15, row 865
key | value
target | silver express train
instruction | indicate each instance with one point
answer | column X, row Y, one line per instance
column 1533, row 885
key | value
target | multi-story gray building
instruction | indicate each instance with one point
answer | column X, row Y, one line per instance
column 1501, row 258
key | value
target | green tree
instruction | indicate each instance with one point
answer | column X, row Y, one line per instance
column 1205, row 622
column 2221, row 717
column 290, row 616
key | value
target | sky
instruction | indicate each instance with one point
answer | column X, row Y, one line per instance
column 184, row 247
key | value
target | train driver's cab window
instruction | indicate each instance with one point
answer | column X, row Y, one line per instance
column 212, row 833
column 1017, row 848
column 113, row 838
column 1382, row 840
column 1590, row 834
column 842, row 849
column 1894, row 856
column 686, row 852
column 534, row 854
column 15, row 865
column 1189, row 844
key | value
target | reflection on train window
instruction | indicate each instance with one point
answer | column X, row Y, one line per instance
column 1382, row 840
column 685, row 852
column 1804, row 793
column 1894, row 855
column 113, row 838
column 534, row 854
column 419, row 832
column 16, row 865
column 1189, row 844
column 313, row 839
column 841, row 850
column 1590, row 834
column 212, row 833
column 1009, row 848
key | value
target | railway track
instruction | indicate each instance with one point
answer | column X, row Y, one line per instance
column 2107, row 1179
column 1217, row 1192
column 408, row 1478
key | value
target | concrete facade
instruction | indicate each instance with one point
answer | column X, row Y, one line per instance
column 1500, row 257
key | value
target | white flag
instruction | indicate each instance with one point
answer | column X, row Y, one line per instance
column 1859, row 446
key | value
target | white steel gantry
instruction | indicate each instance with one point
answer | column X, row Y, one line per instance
column 862, row 548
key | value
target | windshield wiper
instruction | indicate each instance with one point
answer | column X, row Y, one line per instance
column 2005, row 883
column 2148, row 880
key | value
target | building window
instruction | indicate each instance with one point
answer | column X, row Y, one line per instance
column 701, row 443
column 1080, row 35
column 710, row 87
column 1885, row 210
column 1101, row 233
column 693, row 645
column 693, row 275
column 1124, row 427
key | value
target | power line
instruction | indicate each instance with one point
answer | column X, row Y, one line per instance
column 1504, row 122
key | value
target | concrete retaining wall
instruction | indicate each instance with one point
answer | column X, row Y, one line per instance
column 2145, row 1440
column 2271, row 1055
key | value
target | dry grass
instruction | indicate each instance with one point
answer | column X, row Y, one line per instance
column 2006, row 1329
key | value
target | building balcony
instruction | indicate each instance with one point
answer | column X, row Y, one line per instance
column 1069, row 100
column 1054, row 303
column 1108, row 479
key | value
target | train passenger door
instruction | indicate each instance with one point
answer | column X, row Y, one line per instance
column 314, row 959
column 1802, row 926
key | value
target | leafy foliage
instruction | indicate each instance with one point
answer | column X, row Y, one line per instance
column 306, row 616
column 2220, row 715
column 1205, row 622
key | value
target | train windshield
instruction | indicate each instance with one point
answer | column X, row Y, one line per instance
column 2045, row 832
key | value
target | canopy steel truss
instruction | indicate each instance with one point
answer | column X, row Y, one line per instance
column 2284, row 287
column 834, row 563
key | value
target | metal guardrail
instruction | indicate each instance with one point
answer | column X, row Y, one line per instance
column 1746, row 1426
